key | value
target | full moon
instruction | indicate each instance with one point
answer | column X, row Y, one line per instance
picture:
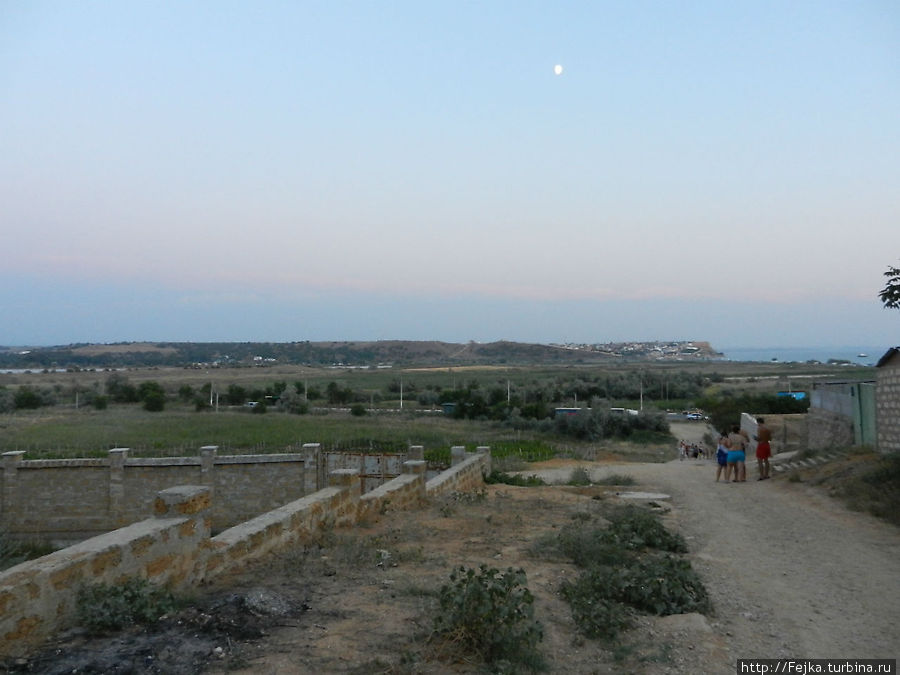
column 557, row 69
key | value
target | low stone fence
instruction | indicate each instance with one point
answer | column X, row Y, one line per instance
column 465, row 473
column 175, row 547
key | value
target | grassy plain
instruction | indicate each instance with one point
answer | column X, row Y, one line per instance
column 64, row 430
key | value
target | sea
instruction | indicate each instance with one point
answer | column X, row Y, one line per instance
column 865, row 355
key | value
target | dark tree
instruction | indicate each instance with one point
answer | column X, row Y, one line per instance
column 890, row 294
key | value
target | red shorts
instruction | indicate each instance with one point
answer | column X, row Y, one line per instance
column 763, row 450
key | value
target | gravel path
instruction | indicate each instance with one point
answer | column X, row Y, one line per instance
column 792, row 573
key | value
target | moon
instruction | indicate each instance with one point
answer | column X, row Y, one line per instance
column 558, row 69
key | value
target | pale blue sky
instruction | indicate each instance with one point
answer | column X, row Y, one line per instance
column 358, row 170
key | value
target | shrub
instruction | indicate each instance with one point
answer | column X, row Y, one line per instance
column 616, row 479
column 100, row 402
column 357, row 410
column 579, row 476
column 513, row 479
column 154, row 401
column 636, row 528
column 102, row 607
column 26, row 397
column 491, row 613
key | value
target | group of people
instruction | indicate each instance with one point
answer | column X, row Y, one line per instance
column 731, row 453
column 692, row 451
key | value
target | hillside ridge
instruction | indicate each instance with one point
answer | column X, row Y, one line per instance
column 370, row 353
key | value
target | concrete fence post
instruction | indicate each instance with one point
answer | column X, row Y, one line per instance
column 485, row 450
column 415, row 466
column 311, row 454
column 348, row 481
column 418, row 467
column 208, row 466
column 457, row 454
column 117, row 457
column 9, row 506
column 416, row 452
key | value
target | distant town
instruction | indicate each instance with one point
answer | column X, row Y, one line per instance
column 660, row 351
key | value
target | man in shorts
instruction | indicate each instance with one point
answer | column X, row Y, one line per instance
column 763, row 448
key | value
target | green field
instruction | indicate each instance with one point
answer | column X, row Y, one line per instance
column 64, row 430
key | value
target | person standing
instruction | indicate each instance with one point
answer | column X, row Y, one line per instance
column 737, row 455
column 763, row 448
column 722, row 458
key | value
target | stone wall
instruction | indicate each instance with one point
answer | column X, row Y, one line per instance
column 175, row 547
column 828, row 429
column 465, row 474
column 887, row 403
column 38, row 597
column 72, row 499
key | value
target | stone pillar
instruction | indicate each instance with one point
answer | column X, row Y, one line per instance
column 207, row 466
column 312, row 452
column 485, row 450
column 182, row 500
column 348, row 481
column 415, row 466
column 418, row 467
column 416, row 452
column 457, row 454
column 9, row 506
column 117, row 457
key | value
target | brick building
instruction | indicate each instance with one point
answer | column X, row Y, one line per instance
column 888, row 401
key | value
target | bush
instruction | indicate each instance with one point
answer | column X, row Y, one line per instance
column 102, row 607
column 154, row 401
column 100, row 402
column 656, row 584
column 513, row 479
column 26, row 397
column 579, row 476
column 621, row 575
column 636, row 528
column 357, row 410
column 491, row 613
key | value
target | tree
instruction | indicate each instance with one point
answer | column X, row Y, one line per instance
column 120, row 390
column 890, row 294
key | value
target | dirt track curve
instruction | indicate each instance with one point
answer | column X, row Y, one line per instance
column 792, row 573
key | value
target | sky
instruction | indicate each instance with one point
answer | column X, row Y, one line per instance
column 280, row 171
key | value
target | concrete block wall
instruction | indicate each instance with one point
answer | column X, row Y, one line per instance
column 38, row 597
column 175, row 547
column 70, row 500
column 887, row 406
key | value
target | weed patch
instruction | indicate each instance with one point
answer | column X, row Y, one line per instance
column 513, row 479
column 579, row 476
column 491, row 614
column 103, row 608
column 616, row 479
column 628, row 567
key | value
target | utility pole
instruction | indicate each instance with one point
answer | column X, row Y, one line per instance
column 641, row 375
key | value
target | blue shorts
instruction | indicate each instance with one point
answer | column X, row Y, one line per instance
column 721, row 457
column 736, row 456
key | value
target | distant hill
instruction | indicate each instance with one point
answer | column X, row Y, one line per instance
column 382, row 352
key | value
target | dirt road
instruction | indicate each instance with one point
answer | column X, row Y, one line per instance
column 792, row 573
